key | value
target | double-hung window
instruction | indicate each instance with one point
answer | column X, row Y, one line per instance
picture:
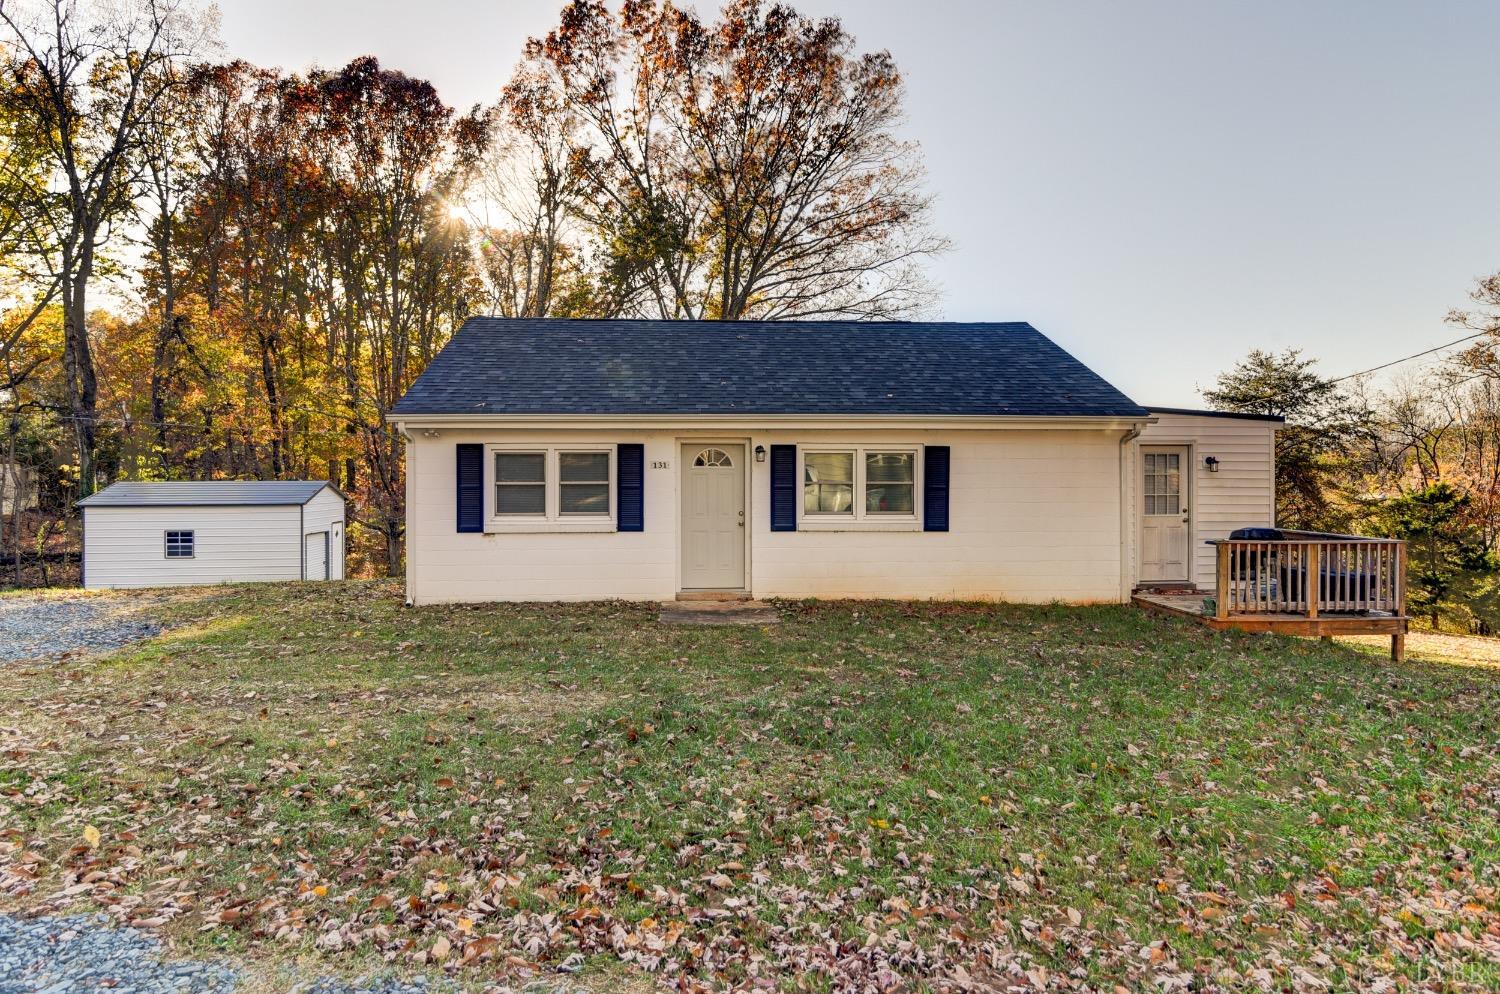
column 828, row 483
column 521, row 484
column 583, row 483
column 870, row 484
column 553, row 486
column 890, row 483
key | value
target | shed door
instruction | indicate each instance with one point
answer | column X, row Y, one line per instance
column 316, row 558
column 336, row 550
column 713, row 517
column 1165, row 523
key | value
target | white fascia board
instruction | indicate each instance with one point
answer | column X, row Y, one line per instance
column 411, row 422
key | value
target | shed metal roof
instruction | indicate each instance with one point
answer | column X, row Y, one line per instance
column 524, row 366
column 206, row 493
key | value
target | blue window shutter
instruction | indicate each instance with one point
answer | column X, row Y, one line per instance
column 630, row 487
column 783, row 488
column 471, row 488
column 935, row 489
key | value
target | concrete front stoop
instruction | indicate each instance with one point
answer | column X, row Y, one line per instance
column 718, row 612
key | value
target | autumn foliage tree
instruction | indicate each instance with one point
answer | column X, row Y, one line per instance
column 301, row 269
column 87, row 82
column 298, row 246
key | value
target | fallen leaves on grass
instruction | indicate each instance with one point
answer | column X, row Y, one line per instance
column 1285, row 828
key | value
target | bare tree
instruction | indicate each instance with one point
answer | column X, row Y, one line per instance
column 1416, row 418
column 745, row 168
column 1476, row 455
column 1485, row 317
column 521, row 191
column 89, row 83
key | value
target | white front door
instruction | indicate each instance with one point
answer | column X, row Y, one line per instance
column 713, row 516
column 1164, row 515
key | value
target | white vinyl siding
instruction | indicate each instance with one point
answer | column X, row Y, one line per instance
column 124, row 546
column 1035, row 516
column 1242, row 494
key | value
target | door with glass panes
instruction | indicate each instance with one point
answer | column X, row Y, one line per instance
column 1165, row 518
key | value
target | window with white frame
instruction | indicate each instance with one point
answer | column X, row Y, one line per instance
column 553, row 484
column 859, row 483
column 828, row 483
column 521, row 484
column 583, row 483
column 179, row 544
column 890, row 483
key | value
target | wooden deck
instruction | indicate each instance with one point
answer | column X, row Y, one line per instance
column 1190, row 606
column 1298, row 583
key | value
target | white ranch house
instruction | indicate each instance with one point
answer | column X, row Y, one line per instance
column 218, row 531
column 579, row 460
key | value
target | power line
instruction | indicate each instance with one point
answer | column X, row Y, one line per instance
column 1267, row 398
column 1418, row 355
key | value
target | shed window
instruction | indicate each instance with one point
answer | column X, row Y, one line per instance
column 179, row 545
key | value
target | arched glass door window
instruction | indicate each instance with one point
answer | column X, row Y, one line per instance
column 713, row 457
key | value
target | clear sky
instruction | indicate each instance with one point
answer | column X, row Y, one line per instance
column 1159, row 185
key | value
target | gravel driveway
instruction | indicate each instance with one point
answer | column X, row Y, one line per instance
column 42, row 626
column 71, row 954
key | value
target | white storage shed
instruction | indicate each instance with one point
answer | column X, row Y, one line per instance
column 216, row 531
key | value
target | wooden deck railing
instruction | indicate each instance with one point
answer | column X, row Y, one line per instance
column 1311, row 574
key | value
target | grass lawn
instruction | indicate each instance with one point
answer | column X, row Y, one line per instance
column 866, row 797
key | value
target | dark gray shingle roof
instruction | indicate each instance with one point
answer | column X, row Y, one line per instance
column 550, row 366
column 222, row 493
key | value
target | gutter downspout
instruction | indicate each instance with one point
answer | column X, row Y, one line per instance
column 411, row 534
column 1126, row 538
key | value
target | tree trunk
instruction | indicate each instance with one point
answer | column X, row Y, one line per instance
column 393, row 548
column 268, row 367
column 78, row 367
column 164, row 335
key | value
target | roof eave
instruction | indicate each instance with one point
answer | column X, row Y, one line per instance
column 92, row 500
column 1114, row 420
column 1190, row 412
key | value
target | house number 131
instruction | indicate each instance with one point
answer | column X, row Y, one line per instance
column 660, row 464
